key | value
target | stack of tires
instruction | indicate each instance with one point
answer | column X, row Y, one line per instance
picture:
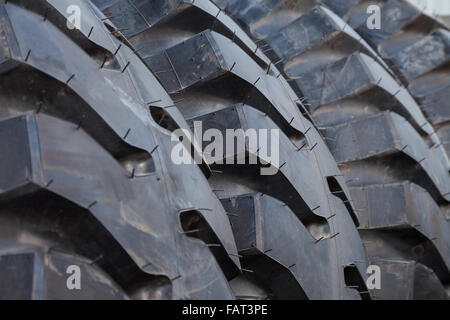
column 88, row 114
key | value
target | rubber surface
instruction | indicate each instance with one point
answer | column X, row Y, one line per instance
column 88, row 116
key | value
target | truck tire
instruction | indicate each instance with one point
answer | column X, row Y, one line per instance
column 378, row 96
column 88, row 184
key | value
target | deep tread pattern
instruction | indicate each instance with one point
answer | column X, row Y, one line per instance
column 413, row 208
column 136, row 71
column 195, row 62
column 355, row 141
column 348, row 76
column 416, row 45
column 407, row 280
column 75, row 68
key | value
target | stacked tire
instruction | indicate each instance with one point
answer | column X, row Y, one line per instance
column 87, row 118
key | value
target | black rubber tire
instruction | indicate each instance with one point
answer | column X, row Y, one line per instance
column 88, row 115
column 352, row 80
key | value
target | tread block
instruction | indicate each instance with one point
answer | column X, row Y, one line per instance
column 392, row 207
column 56, row 264
column 134, row 16
column 404, row 205
column 397, row 279
column 361, row 138
column 211, row 58
column 6, row 63
column 241, row 119
column 9, row 48
column 337, row 80
column 247, row 11
column 223, row 120
column 175, row 21
column 5, row 55
column 77, row 239
column 427, row 285
column 386, row 134
column 301, row 34
column 340, row 7
column 187, row 63
column 74, row 166
column 433, row 94
column 394, row 16
column 276, row 233
column 423, row 56
column 262, row 18
column 407, row 280
column 362, row 79
column 16, row 278
column 16, row 156
column 241, row 212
